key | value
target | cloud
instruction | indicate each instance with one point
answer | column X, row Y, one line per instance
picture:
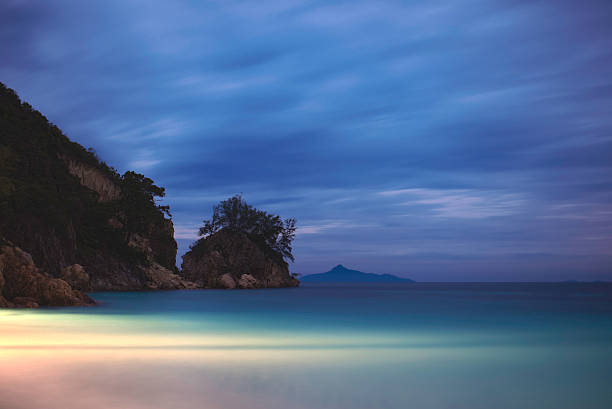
column 327, row 226
column 182, row 232
column 460, row 203
column 474, row 118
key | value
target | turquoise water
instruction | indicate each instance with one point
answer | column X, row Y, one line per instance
column 416, row 346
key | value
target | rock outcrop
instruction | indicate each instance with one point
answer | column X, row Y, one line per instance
column 229, row 259
column 160, row 278
column 93, row 179
column 22, row 284
column 247, row 281
column 77, row 277
column 80, row 220
column 226, row 281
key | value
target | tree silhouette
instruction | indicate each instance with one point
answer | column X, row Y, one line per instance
column 235, row 214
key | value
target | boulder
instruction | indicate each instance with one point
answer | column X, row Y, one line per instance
column 160, row 278
column 248, row 281
column 76, row 276
column 226, row 281
column 24, row 285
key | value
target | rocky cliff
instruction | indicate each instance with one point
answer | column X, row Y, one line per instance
column 65, row 207
column 93, row 179
column 228, row 259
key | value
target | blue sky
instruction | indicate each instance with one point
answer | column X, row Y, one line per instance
column 440, row 140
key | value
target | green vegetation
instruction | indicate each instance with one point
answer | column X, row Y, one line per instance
column 43, row 205
column 138, row 194
column 268, row 231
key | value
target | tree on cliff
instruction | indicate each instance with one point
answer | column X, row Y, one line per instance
column 48, row 210
column 138, row 194
column 235, row 214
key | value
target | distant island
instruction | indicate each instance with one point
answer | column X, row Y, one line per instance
column 341, row 274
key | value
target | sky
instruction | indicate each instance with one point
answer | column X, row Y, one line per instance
column 466, row 140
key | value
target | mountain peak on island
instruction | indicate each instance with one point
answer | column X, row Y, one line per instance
column 341, row 274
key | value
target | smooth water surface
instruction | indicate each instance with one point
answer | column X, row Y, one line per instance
column 419, row 346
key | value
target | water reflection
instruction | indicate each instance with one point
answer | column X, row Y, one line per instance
column 324, row 350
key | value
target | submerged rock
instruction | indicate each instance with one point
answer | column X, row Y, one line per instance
column 22, row 284
column 227, row 254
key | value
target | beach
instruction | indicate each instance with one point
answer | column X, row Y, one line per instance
column 377, row 346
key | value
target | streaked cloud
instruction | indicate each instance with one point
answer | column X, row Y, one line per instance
column 460, row 203
column 400, row 135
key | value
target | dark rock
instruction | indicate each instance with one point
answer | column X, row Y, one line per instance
column 73, row 209
column 247, row 281
column 24, row 302
column 226, row 281
column 76, row 276
column 234, row 254
column 4, row 303
column 160, row 278
column 24, row 285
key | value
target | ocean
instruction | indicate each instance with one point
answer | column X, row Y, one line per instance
column 379, row 346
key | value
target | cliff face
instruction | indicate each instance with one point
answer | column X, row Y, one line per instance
column 232, row 260
column 64, row 206
column 93, row 179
